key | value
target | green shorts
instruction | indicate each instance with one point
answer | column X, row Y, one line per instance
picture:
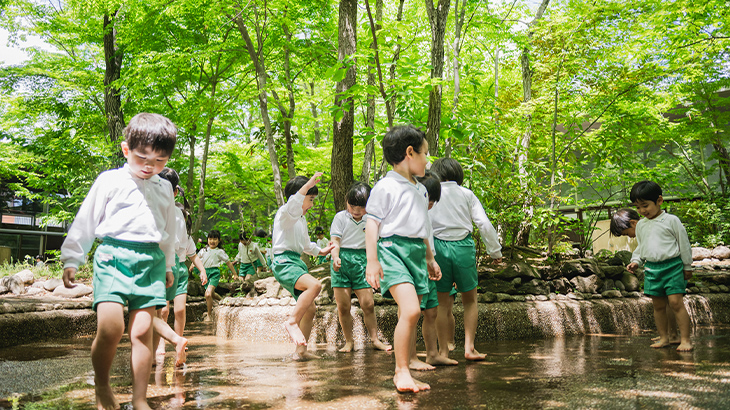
column 257, row 263
column 352, row 272
column 246, row 269
column 288, row 267
column 458, row 263
column 664, row 278
column 129, row 273
column 182, row 279
column 403, row 261
column 214, row 276
column 171, row 292
column 453, row 292
column 430, row 300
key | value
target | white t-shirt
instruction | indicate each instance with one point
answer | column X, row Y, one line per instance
column 121, row 206
column 453, row 214
column 190, row 249
column 350, row 231
column 662, row 238
column 400, row 206
column 290, row 229
column 249, row 253
column 212, row 258
column 181, row 239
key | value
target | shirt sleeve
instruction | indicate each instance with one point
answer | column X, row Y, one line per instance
column 487, row 231
column 222, row 255
column 685, row 249
column 81, row 235
column 292, row 211
column 190, row 250
column 312, row 248
column 239, row 255
column 259, row 255
column 379, row 202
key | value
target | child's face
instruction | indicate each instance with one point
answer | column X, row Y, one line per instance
column 213, row 242
column 649, row 209
column 320, row 235
column 431, row 204
column 308, row 203
column 245, row 241
column 419, row 160
column 143, row 162
column 357, row 212
column 631, row 231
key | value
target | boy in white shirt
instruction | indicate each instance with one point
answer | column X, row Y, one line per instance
column 248, row 254
column 133, row 211
column 322, row 242
column 290, row 239
column 396, row 241
column 665, row 248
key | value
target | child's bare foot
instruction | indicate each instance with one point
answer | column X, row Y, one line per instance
column 421, row 385
column 378, row 345
column 141, row 405
column 347, row 348
column 180, row 350
column 439, row 360
column 685, row 347
column 674, row 340
column 660, row 343
column 420, row 366
column 206, row 317
column 474, row 355
column 304, row 356
column 451, row 345
column 105, row 399
column 295, row 333
column 404, row 383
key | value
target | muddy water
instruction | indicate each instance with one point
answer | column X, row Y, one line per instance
column 594, row 371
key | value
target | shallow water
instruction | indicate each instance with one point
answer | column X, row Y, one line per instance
column 598, row 371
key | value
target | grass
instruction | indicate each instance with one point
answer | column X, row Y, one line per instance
column 53, row 270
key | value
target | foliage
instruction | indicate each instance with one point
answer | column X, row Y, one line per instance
column 707, row 222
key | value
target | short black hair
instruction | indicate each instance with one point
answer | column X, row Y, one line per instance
column 170, row 175
column 243, row 235
column 151, row 130
column 216, row 234
column 432, row 182
column 397, row 141
column 621, row 220
column 260, row 233
column 358, row 194
column 448, row 169
column 296, row 183
column 645, row 191
column 319, row 230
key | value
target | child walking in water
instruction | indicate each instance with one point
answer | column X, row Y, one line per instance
column 667, row 256
column 132, row 210
column 290, row 239
column 396, row 235
column 452, row 219
column 348, row 266
column 248, row 255
column 213, row 256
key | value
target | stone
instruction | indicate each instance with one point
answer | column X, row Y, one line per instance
column 589, row 284
column 285, row 301
column 38, row 285
column 247, row 301
column 284, row 293
column 25, row 276
column 272, row 301
column 272, row 288
column 634, row 295
column 238, row 302
column 571, row 269
column 77, row 291
column 575, row 296
column 624, row 294
column 534, row 287
column 699, row 254
column 487, row 297
column 620, row 285
column 261, row 285
column 611, row 294
column 630, row 282
column 614, row 272
column 292, row 302
column 322, row 301
column 530, row 298
column 517, row 270
column 378, row 298
column 721, row 252
column 503, row 297
column 195, row 288
column 457, row 299
column 596, row 296
column 34, row 291
column 714, row 289
column 497, row 286
column 262, row 302
column 704, row 290
column 695, row 289
column 723, row 288
column 541, row 298
column 3, row 289
column 608, row 285
column 13, row 284
column 519, row 298
column 326, row 286
column 560, row 285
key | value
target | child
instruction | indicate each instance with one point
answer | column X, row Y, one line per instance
column 291, row 238
column 348, row 266
column 452, row 219
column 396, row 236
column 132, row 211
column 266, row 242
column 322, row 242
column 212, row 256
column 664, row 245
column 248, row 255
column 623, row 222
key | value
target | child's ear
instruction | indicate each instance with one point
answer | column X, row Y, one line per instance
column 409, row 151
column 633, row 223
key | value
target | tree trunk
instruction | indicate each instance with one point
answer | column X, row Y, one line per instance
column 191, row 161
column 343, row 129
column 437, row 20
column 456, row 48
column 203, row 165
column 112, row 72
column 288, row 114
column 313, row 106
column 367, row 162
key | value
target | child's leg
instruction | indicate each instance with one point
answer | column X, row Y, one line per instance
column 409, row 305
column 179, row 304
column 209, row 301
column 446, row 306
column 109, row 330
column 310, row 288
column 158, row 341
column 469, row 299
column 300, row 352
column 430, row 339
column 165, row 332
column 660, row 318
column 140, row 337
column 672, row 325
column 367, row 304
column 676, row 302
column 342, row 297
column 451, row 325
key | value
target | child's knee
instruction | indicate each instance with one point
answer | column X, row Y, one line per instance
column 430, row 314
column 367, row 304
column 316, row 286
column 344, row 307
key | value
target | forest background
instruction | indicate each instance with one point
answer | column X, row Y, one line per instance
column 546, row 104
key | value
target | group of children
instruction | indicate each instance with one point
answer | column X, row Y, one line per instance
column 410, row 237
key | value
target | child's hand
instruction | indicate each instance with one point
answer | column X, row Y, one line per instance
column 688, row 274
column 169, row 279
column 336, row 264
column 373, row 274
column 434, row 270
column 203, row 278
column 68, row 277
column 313, row 181
column 632, row 266
column 497, row 261
column 327, row 250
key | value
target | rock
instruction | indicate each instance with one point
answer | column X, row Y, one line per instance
column 519, row 298
column 378, row 298
column 530, row 298
column 13, row 284
column 596, row 296
column 575, row 296
column 503, row 297
column 25, row 276
column 541, row 298
column 34, row 291
column 322, row 301
column 195, row 288
column 262, row 302
column 534, row 287
column 630, row 282
column 272, row 288
column 560, row 285
column 326, row 286
column 272, row 301
column 3, row 289
column 608, row 285
column 51, row 284
column 284, row 301
column 261, row 285
column 704, row 290
column 247, row 301
column 634, row 294
column 292, row 302
column 699, row 254
column 497, row 286
column 457, row 299
column 714, row 289
column 695, row 289
column 620, row 285
column 624, row 294
column 723, row 288
column 589, row 284
column 487, row 297
column 611, row 294
column 516, row 282
column 284, row 293
column 613, row 272
column 571, row 269
column 721, row 252
column 517, row 270
column 74, row 292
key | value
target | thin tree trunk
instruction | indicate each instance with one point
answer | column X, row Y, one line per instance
column 437, row 19
column 343, row 128
column 203, row 164
column 288, row 114
column 112, row 72
column 313, row 106
column 456, row 48
column 370, row 116
column 191, row 160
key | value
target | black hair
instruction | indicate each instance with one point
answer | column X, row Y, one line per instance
column 295, row 184
column 216, row 234
column 243, row 235
column 645, row 191
column 621, row 220
column 432, row 182
column 172, row 176
column 397, row 141
column 260, row 233
column 448, row 169
column 358, row 194
column 319, row 230
column 151, row 130
column 188, row 219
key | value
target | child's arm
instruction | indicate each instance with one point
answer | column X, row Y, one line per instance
column 260, row 257
column 195, row 259
column 434, row 270
column 231, row 268
column 486, row 229
column 336, row 261
column 373, row 270
column 685, row 248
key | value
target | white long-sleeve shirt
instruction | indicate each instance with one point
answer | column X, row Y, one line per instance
column 290, row 229
column 662, row 238
column 399, row 206
column 121, row 206
column 249, row 253
column 453, row 214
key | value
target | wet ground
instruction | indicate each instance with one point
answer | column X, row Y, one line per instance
column 602, row 371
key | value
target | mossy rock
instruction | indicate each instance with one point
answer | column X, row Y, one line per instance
column 517, row 270
column 497, row 286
